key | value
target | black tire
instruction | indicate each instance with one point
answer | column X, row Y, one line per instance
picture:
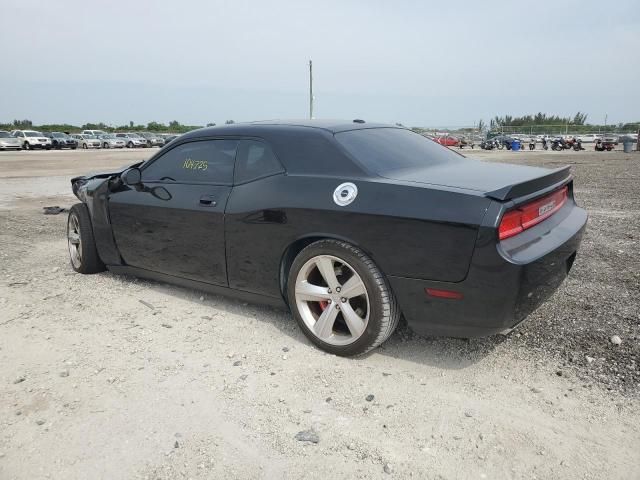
column 130, row 145
column 85, row 146
column 384, row 313
column 105, row 145
column 89, row 260
column 27, row 146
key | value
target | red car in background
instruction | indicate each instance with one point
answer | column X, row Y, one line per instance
column 447, row 141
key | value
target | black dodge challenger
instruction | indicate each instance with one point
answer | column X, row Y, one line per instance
column 350, row 224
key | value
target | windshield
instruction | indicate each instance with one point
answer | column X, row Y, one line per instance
column 59, row 135
column 108, row 136
column 134, row 135
column 384, row 150
column 89, row 137
column 5, row 135
column 32, row 134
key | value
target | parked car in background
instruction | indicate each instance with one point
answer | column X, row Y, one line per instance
column 168, row 138
column 610, row 138
column 109, row 140
column 87, row 141
column 61, row 140
column 153, row 139
column 132, row 140
column 9, row 142
column 96, row 133
column 447, row 140
column 31, row 139
column 589, row 137
column 629, row 137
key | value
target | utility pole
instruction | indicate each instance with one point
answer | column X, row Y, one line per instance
column 310, row 89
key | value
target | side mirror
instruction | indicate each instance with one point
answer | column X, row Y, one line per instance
column 132, row 177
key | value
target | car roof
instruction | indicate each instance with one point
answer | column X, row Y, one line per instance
column 252, row 128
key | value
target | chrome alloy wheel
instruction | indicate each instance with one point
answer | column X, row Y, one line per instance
column 73, row 239
column 332, row 300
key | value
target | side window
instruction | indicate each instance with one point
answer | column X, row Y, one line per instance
column 204, row 161
column 255, row 160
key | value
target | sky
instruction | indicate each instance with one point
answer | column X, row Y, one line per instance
column 420, row 63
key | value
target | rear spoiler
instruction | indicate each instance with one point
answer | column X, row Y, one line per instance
column 559, row 175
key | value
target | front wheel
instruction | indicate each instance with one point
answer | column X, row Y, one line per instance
column 85, row 146
column 341, row 299
column 105, row 145
column 81, row 243
column 130, row 145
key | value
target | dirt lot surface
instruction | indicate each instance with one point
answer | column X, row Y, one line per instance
column 109, row 377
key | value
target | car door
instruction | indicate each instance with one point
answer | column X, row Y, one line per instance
column 174, row 222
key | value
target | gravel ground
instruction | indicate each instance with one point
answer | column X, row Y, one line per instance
column 110, row 377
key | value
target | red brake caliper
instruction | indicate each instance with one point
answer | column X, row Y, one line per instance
column 323, row 304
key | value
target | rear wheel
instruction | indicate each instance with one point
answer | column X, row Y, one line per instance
column 341, row 299
column 81, row 243
column 85, row 146
column 27, row 146
column 130, row 145
column 105, row 145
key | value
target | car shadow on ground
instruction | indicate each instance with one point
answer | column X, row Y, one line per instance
column 404, row 344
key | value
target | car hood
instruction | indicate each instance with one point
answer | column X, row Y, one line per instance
column 496, row 180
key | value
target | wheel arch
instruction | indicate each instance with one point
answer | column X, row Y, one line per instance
column 292, row 250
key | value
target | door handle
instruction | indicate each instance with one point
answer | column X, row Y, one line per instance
column 208, row 201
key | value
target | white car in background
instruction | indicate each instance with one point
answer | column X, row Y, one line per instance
column 87, row 141
column 30, row 139
column 589, row 137
column 95, row 133
column 9, row 142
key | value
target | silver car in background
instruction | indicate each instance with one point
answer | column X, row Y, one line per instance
column 153, row 139
column 132, row 140
column 109, row 140
column 9, row 142
column 87, row 141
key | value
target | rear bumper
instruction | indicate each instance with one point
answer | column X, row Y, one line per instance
column 505, row 283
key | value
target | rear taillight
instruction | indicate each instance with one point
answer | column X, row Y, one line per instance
column 532, row 213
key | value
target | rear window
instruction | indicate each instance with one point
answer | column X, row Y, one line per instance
column 385, row 150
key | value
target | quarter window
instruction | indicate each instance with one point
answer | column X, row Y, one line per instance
column 255, row 160
column 206, row 161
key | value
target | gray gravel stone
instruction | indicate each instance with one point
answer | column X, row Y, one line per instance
column 307, row 436
column 369, row 398
column 388, row 468
column 616, row 340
